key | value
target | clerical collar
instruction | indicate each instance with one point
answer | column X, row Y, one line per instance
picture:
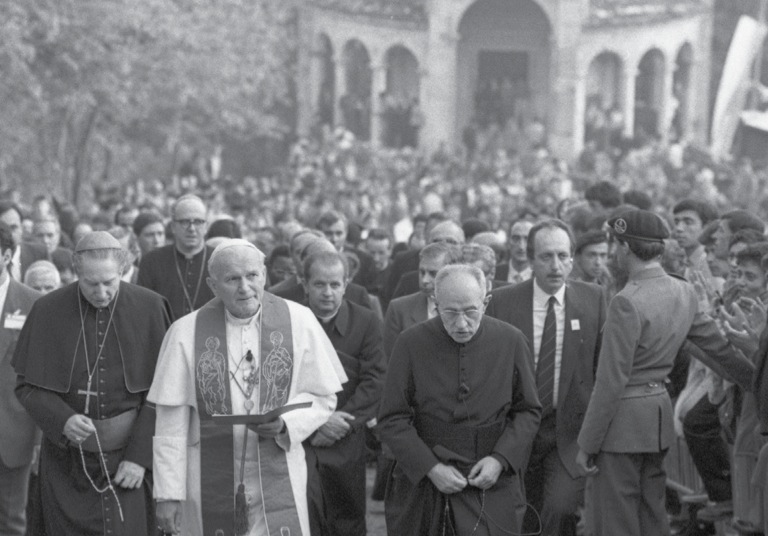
column 189, row 256
column 327, row 319
column 233, row 320
column 88, row 304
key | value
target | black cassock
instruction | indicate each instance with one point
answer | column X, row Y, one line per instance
column 121, row 343
column 182, row 281
column 457, row 403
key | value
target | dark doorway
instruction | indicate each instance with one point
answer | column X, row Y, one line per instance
column 502, row 83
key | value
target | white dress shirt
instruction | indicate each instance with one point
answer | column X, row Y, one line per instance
column 540, row 304
column 518, row 277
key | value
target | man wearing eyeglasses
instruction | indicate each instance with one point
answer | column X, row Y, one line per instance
column 562, row 323
column 178, row 271
column 459, row 413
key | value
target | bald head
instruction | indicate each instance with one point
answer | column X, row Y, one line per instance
column 447, row 231
column 460, row 296
column 42, row 276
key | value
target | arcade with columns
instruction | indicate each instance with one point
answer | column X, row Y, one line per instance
column 418, row 72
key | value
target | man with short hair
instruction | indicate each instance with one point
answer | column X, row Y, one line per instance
column 48, row 233
column 125, row 216
column 43, row 277
column 18, row 439
column 335, row 226
column 562, row 321
column 591, row 259
column 484, row 258
column 690, row 218
column 459, row 413
column 336, row 451
column 178, row 271
column 409, row 310
column 150, row 231
column 730, row 223
column 244, row 354
column 603, row 196
column 24, row 253
column 448, row 232
column 518, row 268
column 379, row 245
column 85, row 360
column 408, row 261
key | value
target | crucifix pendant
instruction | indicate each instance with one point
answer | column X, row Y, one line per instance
column 87, row 394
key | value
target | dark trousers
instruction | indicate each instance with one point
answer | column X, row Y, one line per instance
column 336, row 486
column 626, row 496
column 549, row 488
column 13, row 499
column 703, row 434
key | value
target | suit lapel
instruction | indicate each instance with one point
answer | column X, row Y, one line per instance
column 7, row 335
column 525, row 314
column 571, row 340
column 419, row 311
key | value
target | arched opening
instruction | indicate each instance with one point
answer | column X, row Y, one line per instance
column 326, row 68
column 649, row 95
column 681, row 90
column 603, row 117
column 400, row 102
column 503, row 70
column 355, row 103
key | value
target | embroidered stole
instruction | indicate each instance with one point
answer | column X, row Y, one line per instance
column 217, row 465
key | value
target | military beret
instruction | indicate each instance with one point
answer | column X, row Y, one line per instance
column 639, row 225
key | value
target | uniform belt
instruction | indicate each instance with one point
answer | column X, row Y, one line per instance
column 644, row 389
column 114, row 433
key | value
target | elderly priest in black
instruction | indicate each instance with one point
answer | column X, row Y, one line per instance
column 178, row 271
column 85, row 360
column 459, row 412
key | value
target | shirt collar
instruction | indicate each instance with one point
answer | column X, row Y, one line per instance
column 541, row 298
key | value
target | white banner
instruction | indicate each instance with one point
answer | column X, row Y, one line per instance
column 735, row 83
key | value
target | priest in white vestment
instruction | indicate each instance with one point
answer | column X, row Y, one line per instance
column 246, row 352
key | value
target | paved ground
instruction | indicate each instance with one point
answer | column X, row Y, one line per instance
column 375, row 509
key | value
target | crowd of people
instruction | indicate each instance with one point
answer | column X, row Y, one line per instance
column 516, row 345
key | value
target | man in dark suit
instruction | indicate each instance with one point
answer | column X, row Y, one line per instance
column 564, row 377
column 24, row 253
column 336, row 451
column 409, row 310
column 517, row 269
column 449, row 232
column 335, row 227
column 17, row 441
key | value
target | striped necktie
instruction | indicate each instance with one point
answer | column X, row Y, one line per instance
column 545, row 368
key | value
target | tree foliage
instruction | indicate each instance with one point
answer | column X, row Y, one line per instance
column 97, row 90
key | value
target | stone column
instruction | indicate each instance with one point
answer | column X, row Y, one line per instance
column 304, row 95
column 629, row 97
column 340, row 77
column 378, row 86
column 579, row 111
column 667, row 110
column 564, row 79
column 439, row 104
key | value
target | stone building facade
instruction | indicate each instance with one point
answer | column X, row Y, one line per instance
column 452, row 62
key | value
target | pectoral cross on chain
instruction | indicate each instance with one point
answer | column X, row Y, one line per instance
column 87, row 394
